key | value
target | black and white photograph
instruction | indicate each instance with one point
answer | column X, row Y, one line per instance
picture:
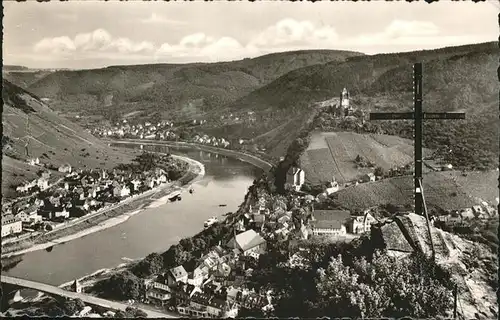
column 250, row 159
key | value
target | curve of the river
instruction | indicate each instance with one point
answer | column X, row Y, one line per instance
column 226, row 181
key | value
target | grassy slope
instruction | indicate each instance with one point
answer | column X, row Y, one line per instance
column 439, row 188
column 171, row 89
column 53, row 139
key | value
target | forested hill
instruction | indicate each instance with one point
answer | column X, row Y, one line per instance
column 168, row 90
column 455, row 79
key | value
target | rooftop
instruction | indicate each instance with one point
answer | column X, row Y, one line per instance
column 248, row 240
column 178, row 272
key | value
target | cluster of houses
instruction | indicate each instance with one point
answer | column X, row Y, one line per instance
column 79, row 193
column 213, row 141
column 484, row 211
column 147, row 130
column 157, row 131
column 245, row 117
column 214, row 289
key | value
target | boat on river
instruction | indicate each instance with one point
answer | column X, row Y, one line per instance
column 175, row 196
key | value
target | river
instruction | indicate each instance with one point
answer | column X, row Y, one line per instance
column 226, row 181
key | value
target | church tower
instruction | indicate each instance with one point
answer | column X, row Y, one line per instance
column 76, row 286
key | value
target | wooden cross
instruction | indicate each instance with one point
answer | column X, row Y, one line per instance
column 418, row 116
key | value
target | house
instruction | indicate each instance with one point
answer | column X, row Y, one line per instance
column 159, row 292
column 224, row 269
column 30, row 216
column 467, row 214
column 11, row 225
column 215, row 308
column 177, row 274
column 42, row 183
column 136, row 184
column 369, row 177
column 199, row 275
column 61, row 214
column 65, row 168
column 34, row 162
column 479, row 212
column 295, row 178
column 85, row 311
column 26, row 187
column 334, row 187
column 329, row 222
column 361, row 223
column 248, row 241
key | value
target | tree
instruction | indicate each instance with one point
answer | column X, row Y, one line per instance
column 54, row 310
column 151, row 265
column 384, row 287
column 70, row 307
column 379, row 172
column 121, row 286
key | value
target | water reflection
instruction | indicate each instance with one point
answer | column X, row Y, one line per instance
column 220, row 167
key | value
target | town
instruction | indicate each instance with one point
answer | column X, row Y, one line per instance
column 42, row 207
column 216, row 283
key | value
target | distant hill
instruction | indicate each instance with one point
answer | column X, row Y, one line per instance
column 458, row 78
column 170, row 90
column 13, row 68
column 447, row 190
column 24, row 77
column 27, row 121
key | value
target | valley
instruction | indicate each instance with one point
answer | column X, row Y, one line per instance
column 338, row 196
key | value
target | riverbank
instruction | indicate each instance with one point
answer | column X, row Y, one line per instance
column 113, row 216
column 87, row 281
column 245, row 157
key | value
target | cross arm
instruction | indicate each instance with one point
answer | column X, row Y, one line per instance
column 391, row 115
column 443, row 115
column 411, row 115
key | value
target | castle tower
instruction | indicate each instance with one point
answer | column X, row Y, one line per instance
column 344, row 99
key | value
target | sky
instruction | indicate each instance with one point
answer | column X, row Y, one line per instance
column 93, row 34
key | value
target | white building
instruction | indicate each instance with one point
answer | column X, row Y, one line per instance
column 42, row 183
column 295, row 178
column 329, row 222
column 362, row 223
column 65, row 168
column 64, row 214
column 11, row 225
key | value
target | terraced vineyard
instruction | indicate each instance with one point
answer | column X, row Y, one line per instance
column 333, row 154
column 442, row 189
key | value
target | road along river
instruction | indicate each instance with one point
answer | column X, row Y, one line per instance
column 226, row 182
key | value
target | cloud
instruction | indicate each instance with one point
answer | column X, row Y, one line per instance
column 284, row 35
column 155, row 18
column 401, row 35
column 97, row 41
column 202, row 47
column 298, row 33
column 57, row 45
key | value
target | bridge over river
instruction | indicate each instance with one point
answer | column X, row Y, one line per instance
column 87, row 299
